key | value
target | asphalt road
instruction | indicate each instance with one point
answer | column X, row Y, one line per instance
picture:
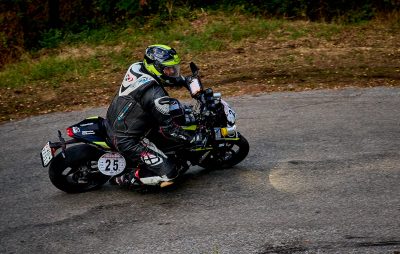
column 322, row 176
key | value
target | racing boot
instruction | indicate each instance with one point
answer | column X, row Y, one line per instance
column 128, row 180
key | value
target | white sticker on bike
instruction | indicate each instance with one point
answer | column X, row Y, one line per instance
column 229, row 112
column 111, row 164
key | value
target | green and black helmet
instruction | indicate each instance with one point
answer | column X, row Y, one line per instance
column 162, row 62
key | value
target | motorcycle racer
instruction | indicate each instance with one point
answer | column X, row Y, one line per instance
column 126, row 145
column 141, row 104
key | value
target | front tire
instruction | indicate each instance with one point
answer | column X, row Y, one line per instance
column 230, row 153
column 78, row 171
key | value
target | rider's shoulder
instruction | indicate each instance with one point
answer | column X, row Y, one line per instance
column 136, row 80
column 142, row 77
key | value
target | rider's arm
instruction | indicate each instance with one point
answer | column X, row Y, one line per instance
column 180, row 82
column 156, row 101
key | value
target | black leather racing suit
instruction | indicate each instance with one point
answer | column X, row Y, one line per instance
column 142, row 104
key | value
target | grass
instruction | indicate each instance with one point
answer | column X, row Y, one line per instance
column 265, row 54
column 215, row 34
column 53, row 69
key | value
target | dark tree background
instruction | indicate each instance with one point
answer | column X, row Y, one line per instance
column 24, row 23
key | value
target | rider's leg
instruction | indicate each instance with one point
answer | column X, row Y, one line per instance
column 155, row 167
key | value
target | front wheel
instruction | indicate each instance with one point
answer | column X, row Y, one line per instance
column 228, row 154
column 78, row 171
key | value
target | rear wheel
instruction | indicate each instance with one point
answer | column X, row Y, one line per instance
column 78, row 171
column 229, row 153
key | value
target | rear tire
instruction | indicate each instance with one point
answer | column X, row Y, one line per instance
column 227, row 156
column 78, row 172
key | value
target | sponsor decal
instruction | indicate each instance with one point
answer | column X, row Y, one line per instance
column 88, row 132
column 76, row 130
column 86, row 124
column 129, row 77
column 143, row 80
column 151, row 159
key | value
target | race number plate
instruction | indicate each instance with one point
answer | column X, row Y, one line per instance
column 46, row 155
column 111, row 164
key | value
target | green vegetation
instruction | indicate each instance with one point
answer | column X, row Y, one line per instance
column 53, row 69
column 113, row 48
column 237, row 51
column 36, row 24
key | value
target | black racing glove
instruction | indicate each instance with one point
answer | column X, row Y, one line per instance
column 176, row 133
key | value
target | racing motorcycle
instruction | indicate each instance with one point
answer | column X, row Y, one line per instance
column 88, row 160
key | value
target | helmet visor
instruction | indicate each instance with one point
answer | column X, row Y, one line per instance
column 172, row 71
